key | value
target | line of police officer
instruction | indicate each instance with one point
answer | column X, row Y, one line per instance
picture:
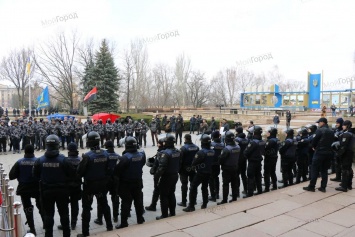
column 103, row 170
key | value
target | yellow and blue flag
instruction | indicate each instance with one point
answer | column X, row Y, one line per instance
column 28, row 66
column 43, row 99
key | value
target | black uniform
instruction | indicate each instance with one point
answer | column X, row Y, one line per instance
column 229, row 159
column 288, row 159
column 94, row 167
column 217, row 146
column 187, row 173
column 302, row 158
column 346, row 153
column 54, row 170
column 167, row 175
column 242, row 163
column 271, row 150
column 28, row 187
column 129, row 170
column 254, row 155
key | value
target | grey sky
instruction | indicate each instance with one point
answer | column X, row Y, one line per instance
column 301, row 35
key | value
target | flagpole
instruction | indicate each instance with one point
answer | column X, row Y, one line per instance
column 29, row 94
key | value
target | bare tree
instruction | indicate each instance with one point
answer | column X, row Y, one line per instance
column 128, row 77
column 182, row 74
column 14, row 69
column 55, row 62
column 218, row 89
column 164, row 81
column 245, row 79
column 198, row 89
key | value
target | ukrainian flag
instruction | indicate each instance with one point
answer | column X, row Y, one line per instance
column 28, row 66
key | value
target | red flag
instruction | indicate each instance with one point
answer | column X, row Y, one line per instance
column 91, row 95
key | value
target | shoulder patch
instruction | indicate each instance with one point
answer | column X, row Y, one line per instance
column 249, row 145
column 344, row 139
column 196, row 156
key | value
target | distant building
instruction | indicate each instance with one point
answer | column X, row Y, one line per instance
column 6, row 95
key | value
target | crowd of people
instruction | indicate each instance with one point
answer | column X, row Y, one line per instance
column 63, row 180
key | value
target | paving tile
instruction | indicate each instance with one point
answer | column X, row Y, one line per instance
column 149, row 229
column 248, row 231
column 293, row 190
column 192, row 219
column 350, row 193
column 300, row 232
column 274, row 209
column 341, row 199
column 343, row 217
column 278, row 225
column 314, row 210
column 177, row 233
column 223, row 225
column 323, row 227
column 308, row 197
column 347, row 232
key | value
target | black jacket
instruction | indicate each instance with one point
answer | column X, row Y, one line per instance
column 323, row 140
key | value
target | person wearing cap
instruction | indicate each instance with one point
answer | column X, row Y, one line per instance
column 28, row 186
column 74, row 185
column 345, row 154
column 218, row 146
column 321, row 144
column 187, row 173
column 335, row 163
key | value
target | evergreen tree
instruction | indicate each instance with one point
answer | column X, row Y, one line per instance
column 103, row 75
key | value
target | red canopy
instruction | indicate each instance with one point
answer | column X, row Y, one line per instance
column 105, row 116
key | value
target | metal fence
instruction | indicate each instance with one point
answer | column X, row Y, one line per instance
column 10, row 218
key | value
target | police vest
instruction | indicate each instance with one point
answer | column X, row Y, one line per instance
column 243, row 143
column 134, row 169
column 112, row 161
column 97, row 165
column 205, row 167
column 174, row 160
column 234, row 152
column 217, row 147
column 261, row 144
column 273, row 150
column 189, row 154
column 25, row 168
column 52, row 170
column 291, row 151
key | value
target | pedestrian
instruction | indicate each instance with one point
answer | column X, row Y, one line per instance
column 333, row 108
column 276, row 120
column 229, row 163
column 154, row 131
column 288, row 119
column 321, row 144
column 94, row 168
column 179, row 127
column 129, row 171
column 53, row 170
column 192, row 124
column 28, row 186
column 187, row 173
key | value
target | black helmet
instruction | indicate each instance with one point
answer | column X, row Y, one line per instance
column 239, row 130
column 229, row 137
column 348, row 124
column 290, row 132
column 258, row 130
column 161, row 141
column 304, row 132
column 93, row 139
column 205, row 140
column 52, row 142
column 130, row 144
column 273, row 132
column 170, row 140
column 312, row 128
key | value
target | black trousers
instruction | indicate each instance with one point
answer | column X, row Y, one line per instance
column 302, row 164
column 270, row 172
column 49, row 200
column 3, row 144
column 87, row 199
column 156, row 192
column 187, row 174
column 28, row 208
column 131, row 190
column 254, row 177
column 115, row 199
column 167, row 186
column 214, row 180
column 74, row 197
column 230, row 177
column 143, row 138
column 178, row 133
column 320, row 163
column 199, row 179
column 347, row 173
column 79, row 140
column 242, row 172
column 16, row 143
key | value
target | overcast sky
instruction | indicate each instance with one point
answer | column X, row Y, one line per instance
column 301, row 35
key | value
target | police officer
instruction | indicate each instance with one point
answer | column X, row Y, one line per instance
column 288, row 157
column 202, row 163
column 74, row 185
column 254, row 154
column 242, row 163
column 53, row 170
column 217, row 146
column 28, row 186
column 167, row 175
column 345, row 154
column 129, row 170
column 154, row 163
column 302, row 156
column 311, row 134
column 187, row 173
column 94, row 167
column 271, row 150
column 229, row 159
column 321, row 144
column 112, row 184
column 336, row 167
